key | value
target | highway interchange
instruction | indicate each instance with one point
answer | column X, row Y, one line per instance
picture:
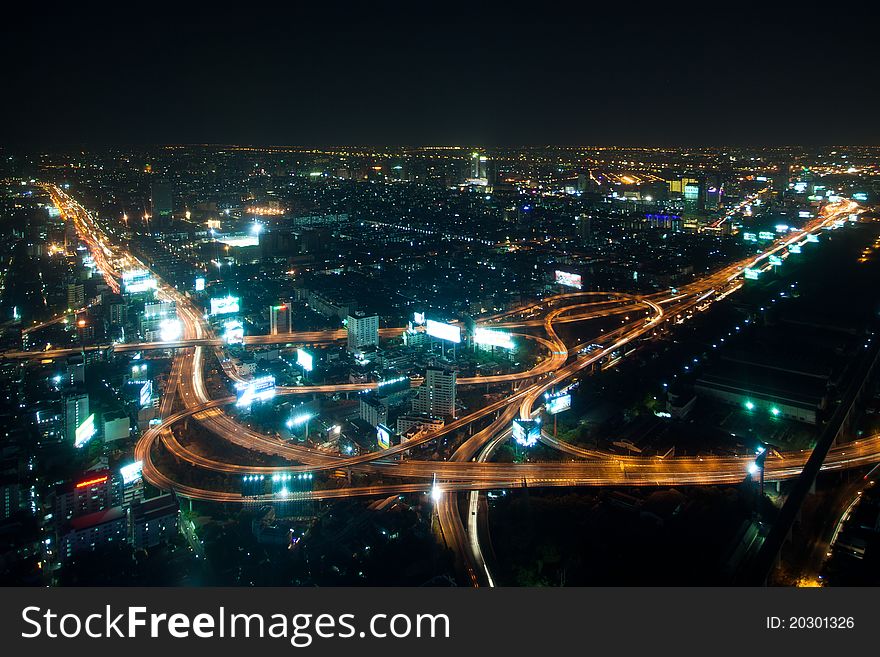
column 469, row 469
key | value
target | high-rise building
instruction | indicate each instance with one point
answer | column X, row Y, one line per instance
column 94, row 531
column 780, row 180
column 372, row 409
column 154, row 521
column 363, row 330
column 75, row 295
column 585, row 228
column 279, row 319
column 437, row 394
column 161, row 202
column 76, row 410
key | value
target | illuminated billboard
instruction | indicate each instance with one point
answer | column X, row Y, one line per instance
column 85, row 431
column 558, row 404
column 448, row 332
column 750, row 237
column 794, row 248
column 305, row 360
column 418, row 319
column 493, row 338
column 383, row 436
column 233, row 332
column 137, row 280
column 766, row 235
column 752, row 274
column 132, row 472
column 568, row 279
column 812, row 237
column 170, row 330
column 145, row 396
column 224, row 305
column 526, row 432
column 200, row 284
column 775, row 260
column 258, row 389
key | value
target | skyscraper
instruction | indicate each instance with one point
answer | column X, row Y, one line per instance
column 363, row 330
column 76, row 410
column 585, row 228
column 279, row 319
column 161, row 202
column 437, row 394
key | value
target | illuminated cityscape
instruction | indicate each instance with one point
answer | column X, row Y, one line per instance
column 472, row 360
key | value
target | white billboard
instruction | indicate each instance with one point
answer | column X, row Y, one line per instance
column 256, row 390
column 138, row 280
column 132, row 472
column 493, row 338
column 224, row 305
column 85, row 431
column 448, row 332
column 526, row 432
column 568, row 279
column 200, row 284
column 233, row 332
column 305, row 360
column 558, row 404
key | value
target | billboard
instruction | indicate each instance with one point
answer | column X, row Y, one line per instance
column 448, row 332
column 558, row 403
column 493, row 338
column 145, row 396
column 305, row 360
column 752, row 274
column 766, row 235
column 132, row 472
column 812, row 237
column 233, row 332
column 418, row 319
column 135, row 281
column 775, row 260
column 526, row 432
column 200, row 284
column 750, row 237
column 258, row 389
column 794, row 248
column 568, row 279
column 383, row 436
column 85, row 431
column 224, row 305
column 170, row 330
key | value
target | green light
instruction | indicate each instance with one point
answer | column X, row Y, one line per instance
column 775, row 411
column 750, row 406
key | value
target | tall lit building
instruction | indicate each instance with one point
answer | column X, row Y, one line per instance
column 161, row 202
column 363, row 330
column 279, row 319
column 76, row 410
column 437, row 394
column 479, row 169
column 585, row 228
column 780, row 180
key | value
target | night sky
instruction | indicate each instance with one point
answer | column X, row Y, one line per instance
column 681, row 75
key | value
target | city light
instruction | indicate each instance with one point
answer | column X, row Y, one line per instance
column 170, row 330
column 448, row 332
column 493, row 338
column 300, row 419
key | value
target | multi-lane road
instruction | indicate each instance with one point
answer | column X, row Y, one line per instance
column 469, row 468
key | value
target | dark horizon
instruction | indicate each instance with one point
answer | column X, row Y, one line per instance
column 677, row 77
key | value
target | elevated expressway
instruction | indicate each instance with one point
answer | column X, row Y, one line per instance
column 469, row 468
